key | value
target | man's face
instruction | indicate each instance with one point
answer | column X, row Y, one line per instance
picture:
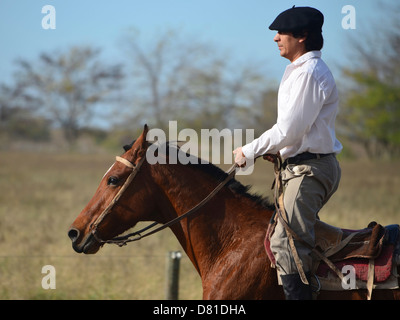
column 290, row 47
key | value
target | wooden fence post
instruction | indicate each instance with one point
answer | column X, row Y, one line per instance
column 172, row 271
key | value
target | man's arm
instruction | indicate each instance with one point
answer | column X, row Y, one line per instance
column 295, row 118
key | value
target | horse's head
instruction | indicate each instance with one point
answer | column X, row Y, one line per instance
column 121, row 200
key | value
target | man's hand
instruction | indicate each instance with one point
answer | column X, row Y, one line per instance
column 240, row 159
column 270, row 157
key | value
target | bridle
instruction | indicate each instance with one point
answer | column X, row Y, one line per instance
column 279, row 206
column 107, row 210
column 137, row 235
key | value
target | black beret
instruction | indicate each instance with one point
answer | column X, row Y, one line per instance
column 298, row 18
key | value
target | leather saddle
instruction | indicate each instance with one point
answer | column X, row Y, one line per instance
column 375, row 243
column 339, row 244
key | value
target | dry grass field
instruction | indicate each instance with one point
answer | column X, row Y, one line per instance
column 41, row 194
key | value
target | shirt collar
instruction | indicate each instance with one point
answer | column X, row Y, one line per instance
column 307, row 56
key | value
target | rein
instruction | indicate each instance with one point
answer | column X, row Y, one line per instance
column 137, row 235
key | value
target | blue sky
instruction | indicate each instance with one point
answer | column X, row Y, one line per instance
column 238, row 26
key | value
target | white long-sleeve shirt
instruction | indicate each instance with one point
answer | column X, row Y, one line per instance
column 307, row 109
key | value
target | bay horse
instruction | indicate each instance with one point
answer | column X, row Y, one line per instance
column 223, row 239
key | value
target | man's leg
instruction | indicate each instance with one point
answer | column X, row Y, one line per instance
column 308, row 188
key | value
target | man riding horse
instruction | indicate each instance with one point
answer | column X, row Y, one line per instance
column 304, row 136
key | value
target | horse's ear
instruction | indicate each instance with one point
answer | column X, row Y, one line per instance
column 142, row 139
column 139, row 146
column 143, row 136
column 145, row 130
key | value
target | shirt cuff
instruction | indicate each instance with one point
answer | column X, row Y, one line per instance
column 248, row 151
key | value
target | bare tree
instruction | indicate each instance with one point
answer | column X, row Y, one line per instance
column 17, row 118
column 182, row 78
column 68, row 85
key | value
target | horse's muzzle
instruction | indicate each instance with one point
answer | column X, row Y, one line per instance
column 73, row 234
column 87, row 245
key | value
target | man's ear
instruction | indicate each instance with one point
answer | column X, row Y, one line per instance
column 304, row 38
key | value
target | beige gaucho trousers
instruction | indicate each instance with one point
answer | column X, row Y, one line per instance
column 307, row 187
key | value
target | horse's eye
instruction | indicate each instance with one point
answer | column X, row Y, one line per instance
column 112, row 181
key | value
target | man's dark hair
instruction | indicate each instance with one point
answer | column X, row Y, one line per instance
column 314, row 38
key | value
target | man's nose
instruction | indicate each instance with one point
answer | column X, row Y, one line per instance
column 277, row 38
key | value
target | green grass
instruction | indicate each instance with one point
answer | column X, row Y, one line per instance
column 40, row 196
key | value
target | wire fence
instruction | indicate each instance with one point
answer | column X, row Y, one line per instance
column 155, row 276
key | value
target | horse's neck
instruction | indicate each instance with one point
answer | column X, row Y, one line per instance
column 217, row 224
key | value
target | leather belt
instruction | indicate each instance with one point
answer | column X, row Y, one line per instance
column 304, row 157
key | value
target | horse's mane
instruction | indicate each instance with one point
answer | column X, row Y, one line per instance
column 234, row 185
column 218, row 174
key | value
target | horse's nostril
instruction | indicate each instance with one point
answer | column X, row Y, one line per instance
column 73, row 234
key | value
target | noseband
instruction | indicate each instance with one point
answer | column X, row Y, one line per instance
column 135, row 236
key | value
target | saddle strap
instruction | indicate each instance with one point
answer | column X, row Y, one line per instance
column 371, row 275
column 292, row 235
column 340, row 246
